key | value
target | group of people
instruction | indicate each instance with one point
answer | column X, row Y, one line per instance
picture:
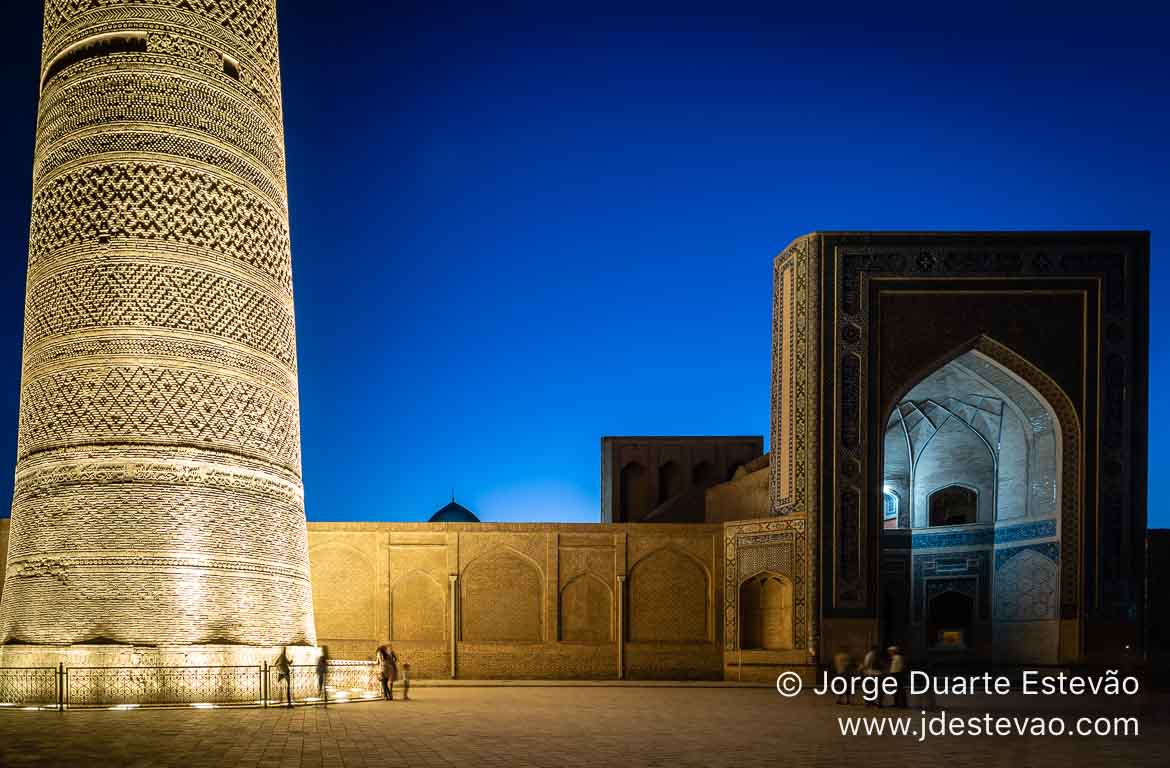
column 875, row 664
column 387, row 667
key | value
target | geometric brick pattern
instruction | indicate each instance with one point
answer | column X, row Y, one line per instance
column 133, row 294
column 252, row 20
column 794, row 418
column 159, row 405
column 151, row 202
column 668, row 598
column 1026, row 588
column 158, row 494
column 158, row 96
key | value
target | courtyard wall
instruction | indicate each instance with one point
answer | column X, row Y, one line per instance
column 534, row 601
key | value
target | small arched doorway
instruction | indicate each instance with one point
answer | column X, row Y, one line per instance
column 765, row 602
column 951, row 621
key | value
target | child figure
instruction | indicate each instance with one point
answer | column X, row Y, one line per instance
column 405, row 682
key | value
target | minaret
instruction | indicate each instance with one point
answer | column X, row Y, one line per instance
column 158, row 495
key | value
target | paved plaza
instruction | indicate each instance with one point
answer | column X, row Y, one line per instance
column 555, row 726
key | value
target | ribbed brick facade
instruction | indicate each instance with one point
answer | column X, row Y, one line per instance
column 158, row 494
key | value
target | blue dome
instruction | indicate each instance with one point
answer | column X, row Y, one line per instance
column 454, row 513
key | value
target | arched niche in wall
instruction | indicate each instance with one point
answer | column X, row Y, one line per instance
column 501, row 598
column 951, row 620
column 953, row 505
column 765, row 606
column 418, row 608
column 704, row 475
column 975, row 420
column 986, row 394
column 670, row 481
column 586, row 610
column 635, row 492
column 345, row 600
column 668, row 597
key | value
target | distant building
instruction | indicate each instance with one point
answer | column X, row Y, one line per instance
column 744, row 497
column 665, row 479
column 454, row 513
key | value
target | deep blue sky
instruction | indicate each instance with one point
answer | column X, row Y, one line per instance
column 517, row 229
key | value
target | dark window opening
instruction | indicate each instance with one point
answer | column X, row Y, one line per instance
column 231, row 68
column 670, row 481
column 951, row 621
column 704, row 475
column 953, row 505
column 634, row 493
column 102, row 45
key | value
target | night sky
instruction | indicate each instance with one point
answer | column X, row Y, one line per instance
column 521, row 228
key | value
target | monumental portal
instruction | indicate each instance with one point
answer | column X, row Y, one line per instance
column 158, row 496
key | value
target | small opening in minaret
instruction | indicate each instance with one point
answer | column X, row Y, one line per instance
column 92, row 47
column 231, row 67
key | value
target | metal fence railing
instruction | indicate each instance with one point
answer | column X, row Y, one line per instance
column 201, row 687
column 161, row 686
column 30, row 687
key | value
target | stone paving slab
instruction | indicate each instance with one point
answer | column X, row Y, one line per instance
column 565, row 727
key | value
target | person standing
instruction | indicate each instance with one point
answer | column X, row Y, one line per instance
column 389, row 670
column 901, row 676
column 284, row 673
column 843, row 669
column 872, row 666
column 322, row 671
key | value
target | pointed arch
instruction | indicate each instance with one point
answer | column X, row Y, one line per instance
column 501, row 597
column 984, row 418
column 670, row 481
column 586, row 609
column 1003, row 367
column 418, row 608
column 338, row 568
column 766, row 611
column 669, row 594
column 634, row 496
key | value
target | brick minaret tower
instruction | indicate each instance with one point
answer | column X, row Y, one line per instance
column 158, row 495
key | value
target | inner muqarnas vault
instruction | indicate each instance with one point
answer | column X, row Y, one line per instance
column 158, row 496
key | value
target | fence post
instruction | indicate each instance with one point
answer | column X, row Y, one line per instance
column 60, row 686
column 264, row 684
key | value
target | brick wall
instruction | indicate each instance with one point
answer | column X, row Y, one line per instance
column 530, row 601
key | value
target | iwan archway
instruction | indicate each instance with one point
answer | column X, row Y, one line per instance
column 860, row 319
column 973, row 486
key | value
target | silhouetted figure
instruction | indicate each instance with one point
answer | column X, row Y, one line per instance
column 284, row 673
column 405, row 682
column 844, row 669
column 872, row 666
column 389, row 670
column 322, row 671
column 901, row 675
